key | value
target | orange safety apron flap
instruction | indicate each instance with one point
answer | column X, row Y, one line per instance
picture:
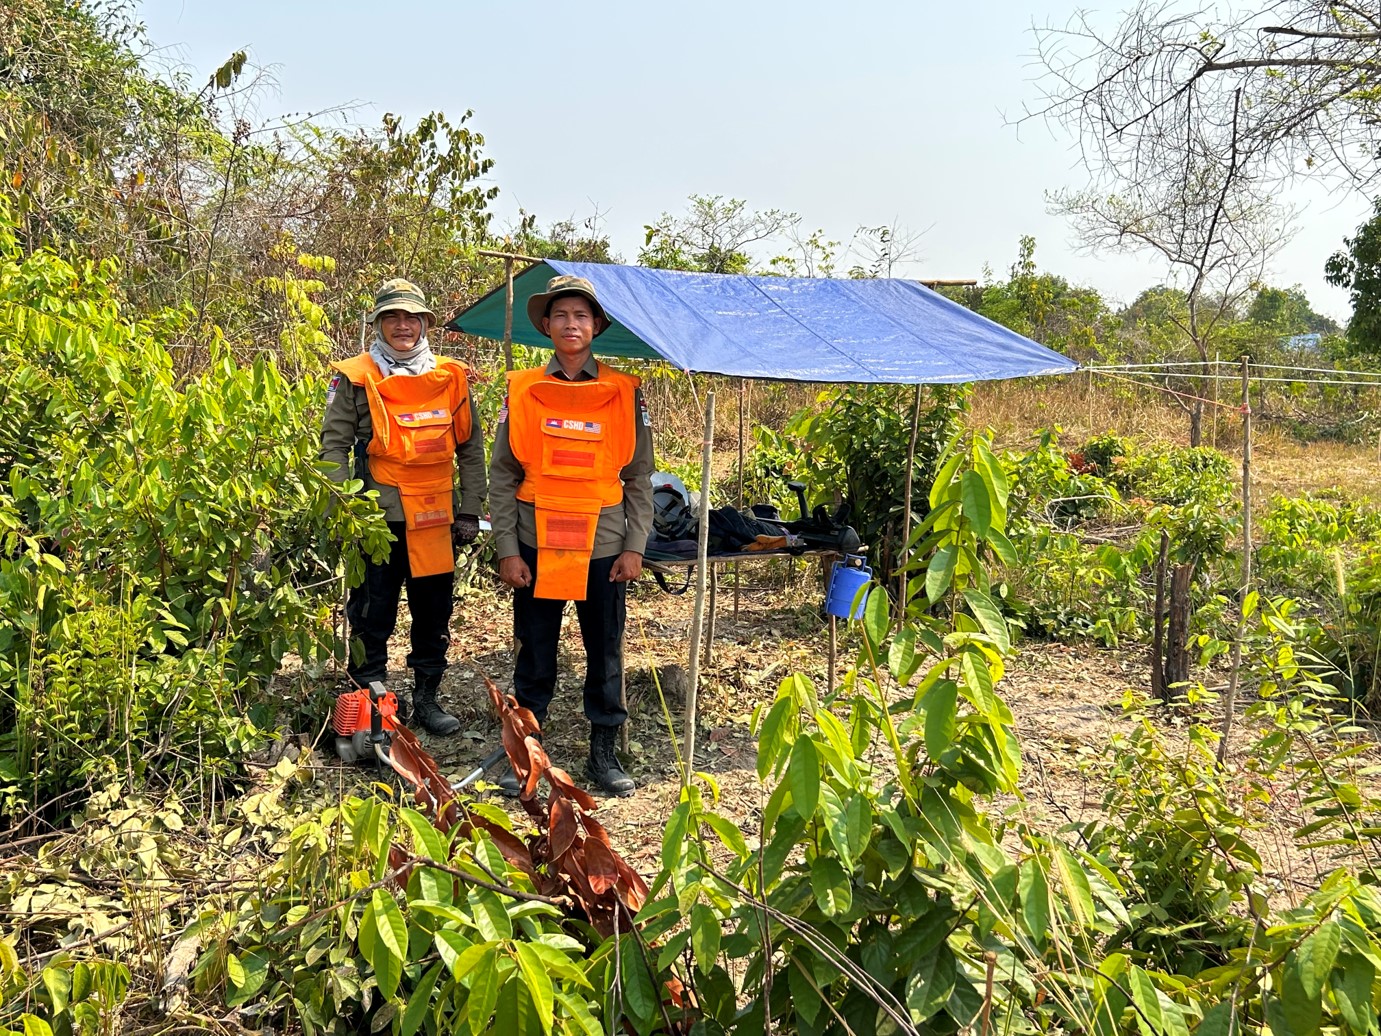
column 574, row 397
column 413, row 422
column 428, row 515
column 565, row 540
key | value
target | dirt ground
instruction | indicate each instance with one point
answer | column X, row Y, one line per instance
column 1067, row 700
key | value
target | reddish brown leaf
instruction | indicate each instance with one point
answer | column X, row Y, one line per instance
column 431, row 790
column 595, row 830
column 527, row 722
column 720, row 733
column 397, row 857
column 564, row 826
column 632, row 888
column 561, row 780
column 539, row 762
column 516, row 747
column 601, row 866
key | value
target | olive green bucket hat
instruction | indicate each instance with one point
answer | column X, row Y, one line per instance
column 566, row 284
column 400, row 294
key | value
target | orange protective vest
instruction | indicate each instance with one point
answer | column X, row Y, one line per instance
column 419, row 420
column 573, row 438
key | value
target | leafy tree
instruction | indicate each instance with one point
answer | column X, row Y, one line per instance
column 1286, row 311
column 399, row 201
column 713, row 237
column 578, row 243
column 1357, row 267
column 1046, row 307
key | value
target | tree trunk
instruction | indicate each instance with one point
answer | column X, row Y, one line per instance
column 1196, row 422
column 1177, row 636
column 1158, row 688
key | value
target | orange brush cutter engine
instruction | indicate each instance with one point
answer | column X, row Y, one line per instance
column 353, row 711
column 363, row 720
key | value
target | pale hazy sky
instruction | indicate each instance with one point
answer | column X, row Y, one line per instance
column 865, row 114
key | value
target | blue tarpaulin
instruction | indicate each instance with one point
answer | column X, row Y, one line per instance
column 790, row 328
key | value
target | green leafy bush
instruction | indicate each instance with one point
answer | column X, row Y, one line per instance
column 1178, row 476
column 856, row 446
column 164, row 543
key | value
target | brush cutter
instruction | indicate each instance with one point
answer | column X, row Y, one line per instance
column 367, row 727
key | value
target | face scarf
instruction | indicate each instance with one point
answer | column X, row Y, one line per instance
column 417, row 360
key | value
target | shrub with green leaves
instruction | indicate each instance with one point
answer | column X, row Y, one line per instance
column 164, row 542
column 855, row 445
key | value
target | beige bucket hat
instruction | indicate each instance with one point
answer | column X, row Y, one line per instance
column 566, row 284
column 400, row 294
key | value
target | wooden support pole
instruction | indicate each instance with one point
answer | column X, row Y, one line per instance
column 701, row 582
column 834, row 652
column 742, row 406
column 623, row 689
column 714, row 613
column 508, row 313
column 1158, row 687
column 906, row 507
column 1230, row 698
column 508, row 255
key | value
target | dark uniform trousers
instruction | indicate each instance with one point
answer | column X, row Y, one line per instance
column 537, row 625
column 373, row 614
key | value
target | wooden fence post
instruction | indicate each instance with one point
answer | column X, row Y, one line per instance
column 698, row 613
column 1230, row 698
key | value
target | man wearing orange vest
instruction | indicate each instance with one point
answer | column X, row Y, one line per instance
column 406, row 417
column 571, row 504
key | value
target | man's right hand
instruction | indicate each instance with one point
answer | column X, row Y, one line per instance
column 513, row 571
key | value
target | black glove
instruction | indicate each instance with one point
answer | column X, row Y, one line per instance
column 464, row 530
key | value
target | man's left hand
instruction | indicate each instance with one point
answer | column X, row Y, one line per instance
column 464, row 530
column 627, row 567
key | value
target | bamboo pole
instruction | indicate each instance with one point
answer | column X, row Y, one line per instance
column 508, row 255
column 1230, row 698
column 708, row 651
column 906, row 507
column 834, row 653
column 508, row 313
column 742, row 405
column 698, row 614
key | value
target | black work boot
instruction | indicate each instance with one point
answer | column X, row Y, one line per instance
column 432, row 716
column 603, row 767
column 508, row 783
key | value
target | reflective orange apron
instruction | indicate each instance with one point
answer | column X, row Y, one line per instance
column 418, row 421
column 573, row 439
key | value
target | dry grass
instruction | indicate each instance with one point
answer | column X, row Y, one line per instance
column 1080, row 405
column 1083, row 406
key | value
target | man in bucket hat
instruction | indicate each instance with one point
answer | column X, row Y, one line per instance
column 571, row 504
column 406, row 417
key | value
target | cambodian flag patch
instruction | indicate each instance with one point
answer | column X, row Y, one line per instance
column 331, row 388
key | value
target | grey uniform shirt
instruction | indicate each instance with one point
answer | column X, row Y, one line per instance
column 348, row 421
column 621, row 527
